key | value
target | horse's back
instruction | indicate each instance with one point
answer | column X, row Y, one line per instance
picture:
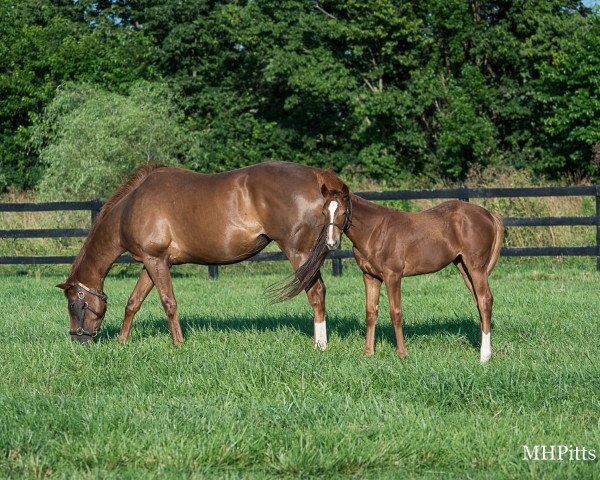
column 219, row 218
column 435, row 237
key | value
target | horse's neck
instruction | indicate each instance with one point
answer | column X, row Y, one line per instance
column 99, row 252
column 366, row 217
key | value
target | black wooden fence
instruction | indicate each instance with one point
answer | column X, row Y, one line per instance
column 458, row 193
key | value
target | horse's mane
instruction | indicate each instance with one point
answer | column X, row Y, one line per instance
column 136, row 178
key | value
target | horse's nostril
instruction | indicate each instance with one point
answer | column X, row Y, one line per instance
column 82, row 339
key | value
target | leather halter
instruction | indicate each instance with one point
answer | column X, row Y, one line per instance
column 83, row 306
column 347, row 220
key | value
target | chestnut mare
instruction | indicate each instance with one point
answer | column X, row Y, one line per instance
column 166, row 216
column 389, row 245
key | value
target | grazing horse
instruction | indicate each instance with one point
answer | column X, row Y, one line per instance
column 389, row 245
column 166, row 216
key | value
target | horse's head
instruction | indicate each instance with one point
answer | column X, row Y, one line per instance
column 86, row 310
column 338, row 214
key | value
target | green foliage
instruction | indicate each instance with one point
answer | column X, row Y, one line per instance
column 401, row 92
column 42, row 45
column 90, row 140
column 571, row 97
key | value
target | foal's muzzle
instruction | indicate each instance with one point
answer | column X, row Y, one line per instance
column 333, row 245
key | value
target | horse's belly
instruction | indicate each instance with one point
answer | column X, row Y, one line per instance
column 217, row 247
column 428, row 256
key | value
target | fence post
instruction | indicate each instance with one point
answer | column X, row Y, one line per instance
column 213, row 272
column 336, row 264
column 598, row 228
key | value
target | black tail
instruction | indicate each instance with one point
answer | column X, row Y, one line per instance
column 305, row 276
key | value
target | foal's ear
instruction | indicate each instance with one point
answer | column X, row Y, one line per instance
column 345, row 190
column 64, row 286
column 324, row 190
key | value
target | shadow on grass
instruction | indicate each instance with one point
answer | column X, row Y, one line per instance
column 342, row 326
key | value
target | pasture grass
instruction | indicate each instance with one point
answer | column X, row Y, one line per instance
column 247, row 395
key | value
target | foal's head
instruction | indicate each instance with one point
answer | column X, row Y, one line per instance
column 86, row 310
column 338, row 214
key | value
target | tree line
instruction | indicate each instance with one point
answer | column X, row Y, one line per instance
column 398, row 91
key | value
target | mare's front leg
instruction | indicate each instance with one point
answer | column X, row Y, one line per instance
column 372, row 288
column 393, row 286
column 158, row 270
column 137, row 297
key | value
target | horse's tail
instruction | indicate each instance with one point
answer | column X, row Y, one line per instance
column 499, row 224
column 306, row 275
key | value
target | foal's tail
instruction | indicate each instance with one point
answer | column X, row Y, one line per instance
column 497, row 242
column 305, row 276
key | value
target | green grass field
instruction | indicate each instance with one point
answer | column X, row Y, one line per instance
column 247, row 396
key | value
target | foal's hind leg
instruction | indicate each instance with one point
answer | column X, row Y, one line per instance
column 139, row 294
column 485, row 301
column 463, row 271
column 158, row 269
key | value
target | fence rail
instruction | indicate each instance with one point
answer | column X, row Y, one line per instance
column 456, row 193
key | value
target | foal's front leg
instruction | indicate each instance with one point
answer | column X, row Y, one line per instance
column 372, row 288
column 392, row 284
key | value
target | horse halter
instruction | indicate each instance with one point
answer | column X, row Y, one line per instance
column 82, row 306
column 347, row 219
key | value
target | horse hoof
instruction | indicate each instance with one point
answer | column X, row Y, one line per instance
column 485, row 357
column 369, row 353
column 321, row 346
column 402, row 355
column 122, row 340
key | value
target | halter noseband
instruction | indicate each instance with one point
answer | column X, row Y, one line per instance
column 80, row 331
column 347, row 220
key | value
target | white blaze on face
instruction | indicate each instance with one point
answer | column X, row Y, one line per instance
column 321, row 335
column 332, row 208
column 486, row 347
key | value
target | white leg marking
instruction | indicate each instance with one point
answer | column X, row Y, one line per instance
column 486, row 347
column 321, row 335
column 332, row 208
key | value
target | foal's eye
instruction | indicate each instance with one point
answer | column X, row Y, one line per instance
column 71, row 306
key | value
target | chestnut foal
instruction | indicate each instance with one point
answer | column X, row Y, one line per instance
column 389, row 245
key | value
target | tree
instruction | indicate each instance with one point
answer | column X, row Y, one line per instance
column 570, row 98
column 90, row 139
column 42, row 45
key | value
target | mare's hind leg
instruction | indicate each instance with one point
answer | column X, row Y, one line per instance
column 139, row 294
column 392, row 284
column 485, row 301
column 372, row 287
column 158, row 270
column 316, row 298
